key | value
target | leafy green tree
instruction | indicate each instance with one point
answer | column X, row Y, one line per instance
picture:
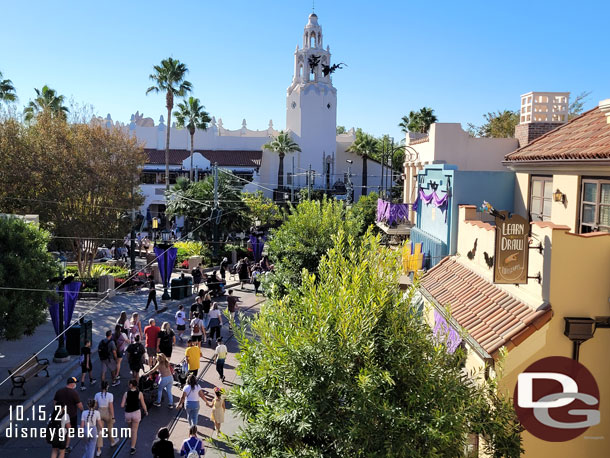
column 169, row 78
column 418, row 121
column 499, row 124
column 261, row 208
column 46, row 99
column 282, row 145
column 7, row 90
column 365, row 146
column 306, row 234
column 341, row 130
column 366, row 210
column 344, row 366
column 196, row 202
column 578, row 104
column 191, row 114
column 25, row 263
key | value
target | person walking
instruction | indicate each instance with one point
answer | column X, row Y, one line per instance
column 166, row 380
column 162, row 447
column 122, row 322
column 68, row 397
column 135, row 356
column 215, row 323
column 191, row 394
column 224, row 266
column 106, row 350
column 256, row 278
column 206, row 304
column 218, row 410
column 193, row 446
column 91, row 425
column 180, row 322
column 166, row 339
column 121, row 341
column 135, row 327
column 220, row 354
column 85, row 365
column 197, row 329
column 104, row 403
column 193, row 356
column 232, row 307
column 152, row 294
column 132, row 401
column 60, row 424
column 196, row 307
column 243, row 272
column 196, row 273
column 152, row 348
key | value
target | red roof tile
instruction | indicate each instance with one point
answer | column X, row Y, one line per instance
column 489, row 314
column 584, row 138
column 225, row 158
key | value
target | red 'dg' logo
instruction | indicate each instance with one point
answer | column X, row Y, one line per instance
column 557, row 399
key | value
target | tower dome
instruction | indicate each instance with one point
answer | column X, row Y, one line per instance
column 312, row 37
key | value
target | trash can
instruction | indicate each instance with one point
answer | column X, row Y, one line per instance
column 188, row 287
column 77, row 335
column 176, row 289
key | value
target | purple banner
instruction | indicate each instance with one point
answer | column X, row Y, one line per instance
column 433, row 198
column 390, row 213
column 445, row 333
column 171, row 260
column 258, row 243
column 70, row 295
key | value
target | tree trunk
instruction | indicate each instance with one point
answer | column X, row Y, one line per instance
column 364, row 174
column 280, row 173
column 192, row 147
column 170, row 104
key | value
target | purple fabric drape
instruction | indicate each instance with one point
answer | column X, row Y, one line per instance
column 171, row 260
column 445, row 333
column 390, row 213
column 70, row 295
column 258, row 243
column 433, row 198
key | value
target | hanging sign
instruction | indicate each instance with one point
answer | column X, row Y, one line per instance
column 512, row 249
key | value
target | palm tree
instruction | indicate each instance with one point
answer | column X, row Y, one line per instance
column 404, row 124
column 191, row 114
column 365, row 145
column 7, row 90
column 418, row 121
column 46, row 99
column 169, row 78
column 281, row 145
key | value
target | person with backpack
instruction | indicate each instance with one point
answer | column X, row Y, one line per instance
column 106, row 350
column 104, row 403
column 135, row 355
column 57, row 432
column 192, row 447
column 197, row 329
column 135, row 327
column 91, row 424
column 121, row 341
column 85, row 365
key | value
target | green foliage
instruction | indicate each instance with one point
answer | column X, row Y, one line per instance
column 189, row 249
column 343, row 366
column 7, row 90
column 97, row 270
column 282, row 144
column 418, row 121
column 497, row 125
column 46, row 99
column 341, row 130
column 578, row 105
column 366, row 210
column 24, row 263
column 261, row 208
column 306, row 234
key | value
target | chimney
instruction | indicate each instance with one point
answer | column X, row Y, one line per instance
column 540, row 113
column 604, row 107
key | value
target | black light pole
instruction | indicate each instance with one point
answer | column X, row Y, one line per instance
column 165, row 245
column 61, row 354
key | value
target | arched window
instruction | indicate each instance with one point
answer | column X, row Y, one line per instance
column 320, row 39
column 301, row 71
column 312, row 39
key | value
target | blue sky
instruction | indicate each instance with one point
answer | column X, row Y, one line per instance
column 461, row 58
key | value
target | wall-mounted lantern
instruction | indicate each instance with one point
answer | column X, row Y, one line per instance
column 559, row 196
column 578, row 330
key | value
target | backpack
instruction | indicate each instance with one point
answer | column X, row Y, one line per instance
column 193, row 453
column 53, row 429
column 102, row 350
column 196, row 327
column 137, row 351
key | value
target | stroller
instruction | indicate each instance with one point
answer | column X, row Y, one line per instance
column 148, row 386
column 180, row 373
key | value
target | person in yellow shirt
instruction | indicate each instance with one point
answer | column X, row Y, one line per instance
column 193, row 354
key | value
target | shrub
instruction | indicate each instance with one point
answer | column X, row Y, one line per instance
column 188, row 249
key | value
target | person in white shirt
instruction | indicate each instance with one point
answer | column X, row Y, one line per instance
column 104, row 402
column 180, row 322
column 92, row 425
column 191, row 394
column 215, row 323
column 220, row 354
column 197, row 329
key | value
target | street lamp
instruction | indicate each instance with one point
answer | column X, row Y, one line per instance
column 61, row 354
column 349, row 188
column 165, row 245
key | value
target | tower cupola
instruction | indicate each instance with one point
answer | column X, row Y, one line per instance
column 312, row 36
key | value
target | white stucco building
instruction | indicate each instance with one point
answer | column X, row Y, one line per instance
column 311, row 118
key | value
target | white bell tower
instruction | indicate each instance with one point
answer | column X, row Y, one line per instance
column 311, row 101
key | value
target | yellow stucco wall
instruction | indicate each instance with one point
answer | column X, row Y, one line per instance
column 521, row 192
column 579, row 286
column 566, row 213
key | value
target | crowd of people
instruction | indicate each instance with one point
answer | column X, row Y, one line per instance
column 152, row 346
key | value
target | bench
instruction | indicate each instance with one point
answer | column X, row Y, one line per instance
column 26, row 370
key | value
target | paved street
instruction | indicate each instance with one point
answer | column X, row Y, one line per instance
column 103, row 318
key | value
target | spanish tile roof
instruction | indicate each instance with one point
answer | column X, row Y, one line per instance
column 584, row 138
column 225, row 158
column 491, row 316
